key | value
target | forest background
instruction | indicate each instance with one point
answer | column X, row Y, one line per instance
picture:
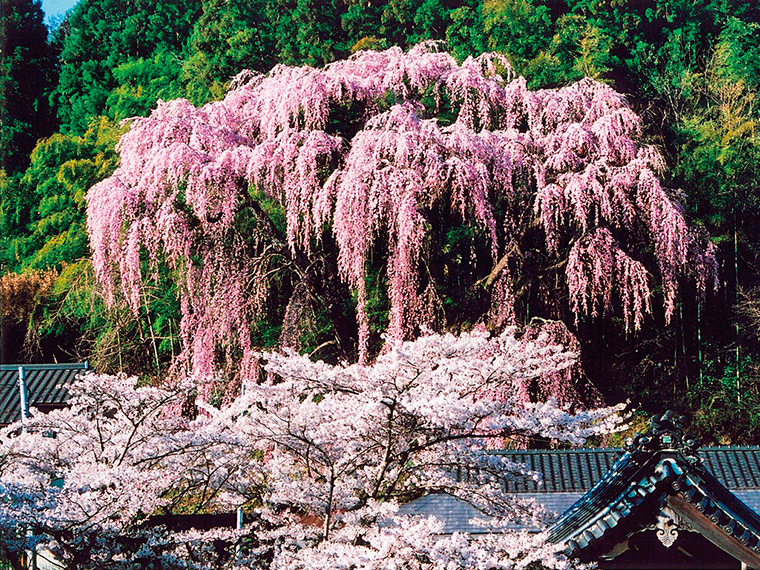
column 690, row 69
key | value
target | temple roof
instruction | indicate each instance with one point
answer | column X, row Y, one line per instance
column 578, row 470
column 661, row 471
column 569, row 474
column 660, row 488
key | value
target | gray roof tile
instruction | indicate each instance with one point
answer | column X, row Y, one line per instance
column 750, row 497
column 577, row 470
column 569, row 474
column 457, row 515
column 45, row 384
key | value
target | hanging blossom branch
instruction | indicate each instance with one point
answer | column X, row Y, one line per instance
column 351, row 150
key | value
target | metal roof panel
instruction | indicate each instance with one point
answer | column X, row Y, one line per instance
column 45, row 384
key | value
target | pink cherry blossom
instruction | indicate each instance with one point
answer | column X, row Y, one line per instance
column 319, row 456
column 193, row 186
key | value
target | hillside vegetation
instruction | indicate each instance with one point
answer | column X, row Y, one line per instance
column 471, row 189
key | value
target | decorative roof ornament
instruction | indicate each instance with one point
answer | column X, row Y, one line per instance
column 666, row 433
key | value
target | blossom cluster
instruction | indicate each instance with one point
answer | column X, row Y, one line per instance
column 319, row 457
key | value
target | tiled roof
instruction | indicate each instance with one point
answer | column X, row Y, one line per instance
column 562, row 471
column 577, row 470
column 45, row 385
column 750, row 497
column 735, row 467
column 457, row 515
column 569, row 474
column 662, row 472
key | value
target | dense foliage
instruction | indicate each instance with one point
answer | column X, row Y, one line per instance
column 318, row 456
column 27, row 74
column 106, row 40
column 688, row 70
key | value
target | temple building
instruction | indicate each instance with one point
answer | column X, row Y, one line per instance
column 660, row 503
column 660, row 507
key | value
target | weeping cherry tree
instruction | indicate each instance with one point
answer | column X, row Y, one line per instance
column 462, row 193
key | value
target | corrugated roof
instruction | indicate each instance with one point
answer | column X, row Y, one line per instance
column 45, row 385
column 577, row 470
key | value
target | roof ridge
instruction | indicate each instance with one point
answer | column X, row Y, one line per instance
column 616, row 449
column 47, row 366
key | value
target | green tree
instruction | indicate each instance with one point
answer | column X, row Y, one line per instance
column 308, row 31
column 74, row 322
column 27, row 70
column 577, row 50
column 464, row 34
column 230, row 35
column 720, row 164
column 141, row 83
column 42, row 222
column 362, row 22
column 550, row 47
column 655, row 44
column 521, row 29
column 42, row 225
column 103, row 35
